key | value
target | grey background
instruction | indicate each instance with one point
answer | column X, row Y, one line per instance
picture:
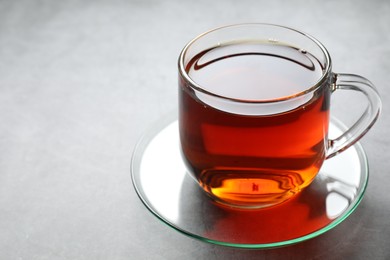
column 81, row 81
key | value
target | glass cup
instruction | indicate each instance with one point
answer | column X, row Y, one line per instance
column 254, row 102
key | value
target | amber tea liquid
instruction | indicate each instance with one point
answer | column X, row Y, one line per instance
column 248, row 155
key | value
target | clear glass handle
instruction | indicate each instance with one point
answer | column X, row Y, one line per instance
column 366, row 120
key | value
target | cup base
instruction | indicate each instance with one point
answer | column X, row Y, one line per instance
column 252, row 189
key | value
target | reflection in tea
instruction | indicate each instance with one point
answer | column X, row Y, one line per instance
column 253, row 155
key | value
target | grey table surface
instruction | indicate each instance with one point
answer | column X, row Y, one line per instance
column 81, row 81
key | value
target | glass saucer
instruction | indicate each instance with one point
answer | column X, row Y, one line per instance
column 163, row 185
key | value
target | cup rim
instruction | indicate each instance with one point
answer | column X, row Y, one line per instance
column 314, row 87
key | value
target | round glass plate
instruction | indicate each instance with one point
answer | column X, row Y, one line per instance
column 162, row 183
